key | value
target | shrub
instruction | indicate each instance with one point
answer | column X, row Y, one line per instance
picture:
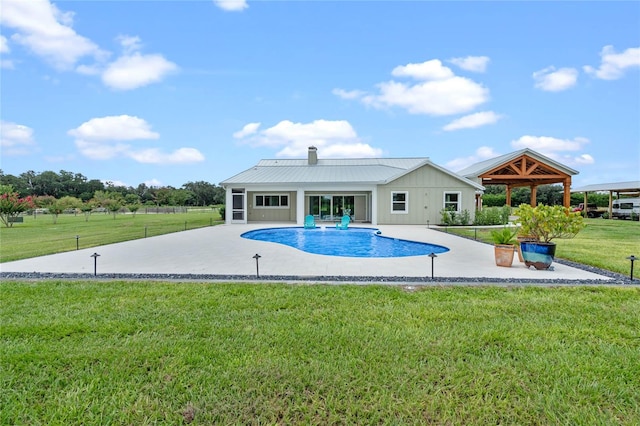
column 492, row 216
column 451, row 217
column 544, row 223
column 504, row 236
column 11, row 205
column 494, row 200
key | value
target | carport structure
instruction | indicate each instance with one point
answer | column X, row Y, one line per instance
column 631, row 188
column 522, row 168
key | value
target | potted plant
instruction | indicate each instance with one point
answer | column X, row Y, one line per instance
column 542, row 224
column 504, row 245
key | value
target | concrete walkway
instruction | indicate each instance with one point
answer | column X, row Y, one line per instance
column 220, row 250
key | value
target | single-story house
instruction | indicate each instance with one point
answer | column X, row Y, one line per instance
column 399, row 191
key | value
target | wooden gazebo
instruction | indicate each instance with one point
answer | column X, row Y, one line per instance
column 522, row 168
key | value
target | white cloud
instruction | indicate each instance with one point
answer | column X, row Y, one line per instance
column 15, row 139
column 554, row 148
column 129, row 44
column 473, row 120
column 45, row 30
column 352, row 94
column 472, row 63
column 121, row 127
column 101, row 139
column 231, row 5
column 4, row 45
column 114, row 182
column 133, row 70
column 584, row 159
column 7, row 64
column 101, row 150
column 442, row 97
column 155, row 156
column 438, row 91
column 153, row 183
column 429, row 70
column 89, row 69
column 481, row 154
column 546, row 144
column 613, row 65
column 333, row 138
column 552, row 80
column 247, row 130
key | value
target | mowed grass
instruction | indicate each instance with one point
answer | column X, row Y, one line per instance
column 41, row 236
column 113, row 353
column 605, row 244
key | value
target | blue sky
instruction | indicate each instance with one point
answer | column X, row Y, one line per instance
column 170, row 92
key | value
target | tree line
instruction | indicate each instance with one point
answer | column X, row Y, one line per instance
column 75, row 185
column 550, row 195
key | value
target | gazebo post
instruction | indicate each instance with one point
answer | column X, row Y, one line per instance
column 567, row 193
column 534, row 189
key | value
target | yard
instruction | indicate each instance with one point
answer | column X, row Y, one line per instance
column 38, row 236
column 140, row 353
column 605, row 244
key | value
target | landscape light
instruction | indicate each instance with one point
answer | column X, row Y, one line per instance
column 432, row 256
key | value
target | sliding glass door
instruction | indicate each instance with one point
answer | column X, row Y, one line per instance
column 331, row 207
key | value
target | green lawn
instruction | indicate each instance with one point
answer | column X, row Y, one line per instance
column 602, row 243
column 114, row 353
column 40, row 235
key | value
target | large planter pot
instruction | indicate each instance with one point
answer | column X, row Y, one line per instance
column 521, row 239
column 537, row 254
column 504, row 254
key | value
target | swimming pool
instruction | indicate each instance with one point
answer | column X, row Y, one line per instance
column 352, row 242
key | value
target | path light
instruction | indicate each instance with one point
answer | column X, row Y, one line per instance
column 432, row 256
column 256, row 257
column 95, row 263
column 632, row 258
column 77, row 242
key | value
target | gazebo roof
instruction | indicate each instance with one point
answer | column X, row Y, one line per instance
column 520, row 168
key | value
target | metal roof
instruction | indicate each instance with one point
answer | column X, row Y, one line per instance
column 475, row 170
column 335, row 171
column 631, row 186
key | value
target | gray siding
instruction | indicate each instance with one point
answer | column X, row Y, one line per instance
column 271, row 214
column 425, row 187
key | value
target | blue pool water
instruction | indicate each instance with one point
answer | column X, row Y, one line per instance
column 352, row 242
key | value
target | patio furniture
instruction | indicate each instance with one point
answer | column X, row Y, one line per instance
column 344, row 223
column 309, row 222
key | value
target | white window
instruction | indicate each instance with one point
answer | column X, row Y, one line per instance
column 399, row 202
column 453, row 201
column 270, row 201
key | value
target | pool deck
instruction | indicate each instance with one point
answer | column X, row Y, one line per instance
column 221, row 251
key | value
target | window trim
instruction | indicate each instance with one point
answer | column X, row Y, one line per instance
column 406, row 202
column 267, row 194
column 458, row 203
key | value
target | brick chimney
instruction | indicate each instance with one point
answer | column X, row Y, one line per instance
column 313, row 155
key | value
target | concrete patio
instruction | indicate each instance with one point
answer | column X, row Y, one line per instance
column 220, row 250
